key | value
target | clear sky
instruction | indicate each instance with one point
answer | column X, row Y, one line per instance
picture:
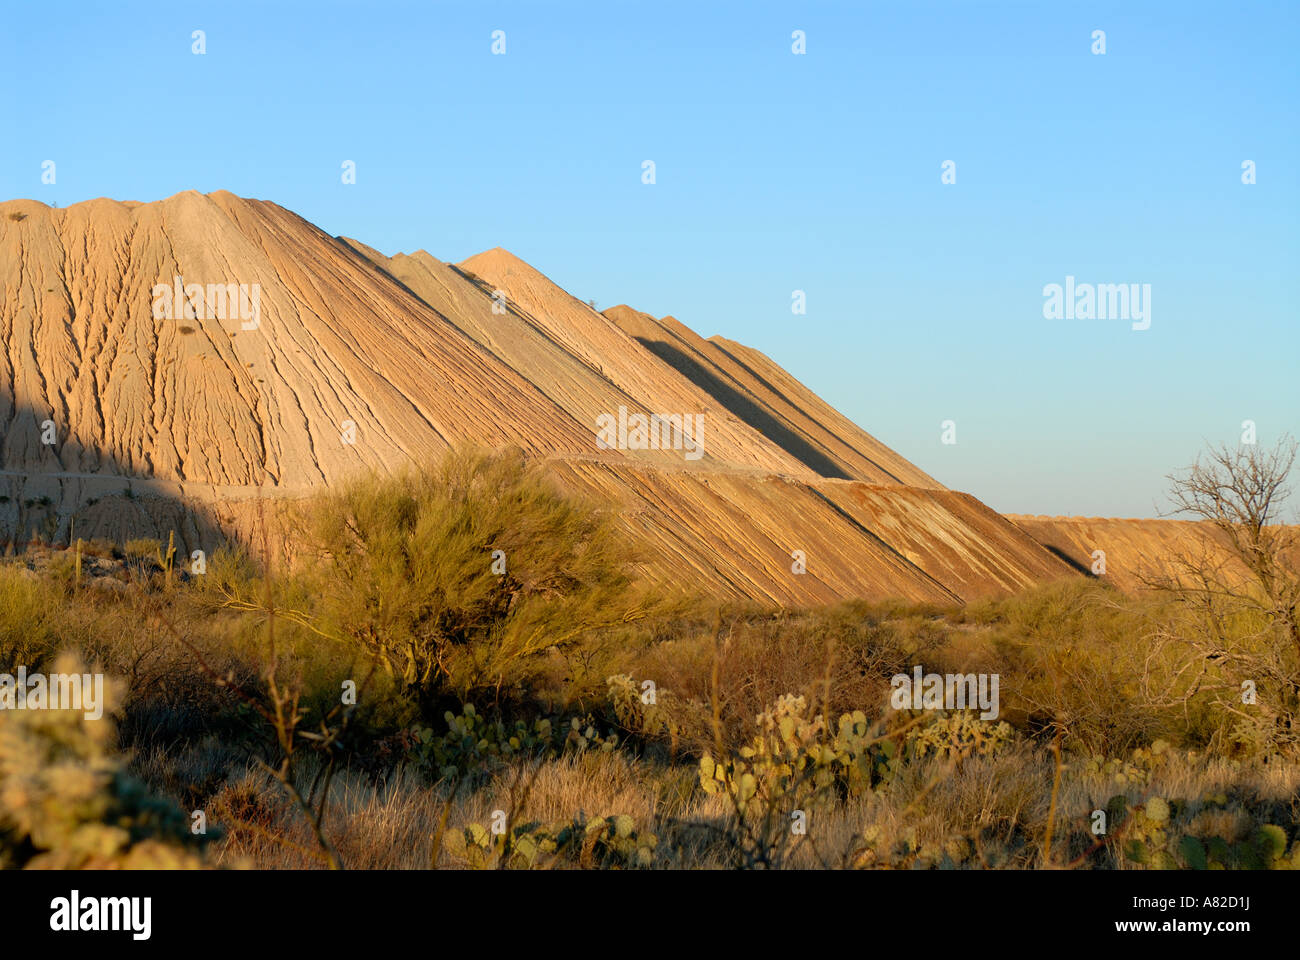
column 774, row 172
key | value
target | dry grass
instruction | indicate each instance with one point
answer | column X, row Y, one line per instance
column 998, row 806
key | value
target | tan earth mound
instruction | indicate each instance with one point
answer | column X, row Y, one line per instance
column 1135, row 550
column 854, row 539
column 206, row 400
column 760, row 393
column 553, row 339
column 134, row 403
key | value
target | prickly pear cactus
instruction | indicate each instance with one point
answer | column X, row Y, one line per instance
column 907, row 852
column 795, row 761
column 473, row 744
column 1157, row 834
column 600, row 842
column 1136, row 771
column 787, row 763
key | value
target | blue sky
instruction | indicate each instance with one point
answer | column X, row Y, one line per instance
column 774, row 172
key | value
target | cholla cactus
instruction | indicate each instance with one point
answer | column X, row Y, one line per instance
column 959, row 735
column 66, row 801
column 647, row 719
column 665, row 716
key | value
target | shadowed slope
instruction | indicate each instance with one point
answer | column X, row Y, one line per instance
column 819, row 412
column 779, row 406
column 1134, row 549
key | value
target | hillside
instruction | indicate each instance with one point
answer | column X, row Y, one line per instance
column 135, row 404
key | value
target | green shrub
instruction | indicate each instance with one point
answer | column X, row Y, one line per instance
column 1071, row 658
column 101, row 547
column 29, row 611
column 142, row 550
column 404, row 574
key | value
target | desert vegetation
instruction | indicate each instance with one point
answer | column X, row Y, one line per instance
column 462, row 668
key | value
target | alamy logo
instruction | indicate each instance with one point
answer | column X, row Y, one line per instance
column 1102, row 301
column 74, row 913
column 658, row 431
column 214, row 301
column 951, row 691
column 57, row 691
